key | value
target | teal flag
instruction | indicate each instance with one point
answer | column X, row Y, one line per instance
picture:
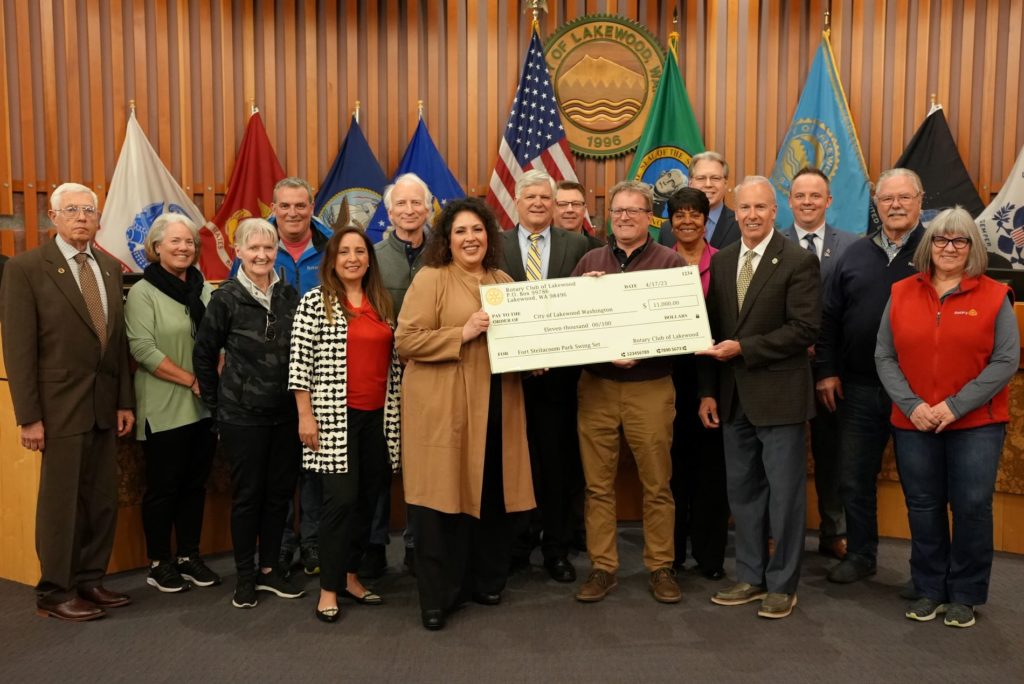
column 822, row 135
column 670, row 139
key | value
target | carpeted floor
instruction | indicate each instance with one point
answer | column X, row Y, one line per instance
column 853, row 633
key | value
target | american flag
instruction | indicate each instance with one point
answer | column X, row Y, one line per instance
column 534, row 137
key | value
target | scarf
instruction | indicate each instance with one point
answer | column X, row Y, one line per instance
column 187, row 292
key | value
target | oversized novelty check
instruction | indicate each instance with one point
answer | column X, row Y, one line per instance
column 574, row 321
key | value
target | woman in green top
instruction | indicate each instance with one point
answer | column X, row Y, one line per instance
column 162, row 313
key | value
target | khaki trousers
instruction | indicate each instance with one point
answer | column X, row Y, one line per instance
column 645, row 411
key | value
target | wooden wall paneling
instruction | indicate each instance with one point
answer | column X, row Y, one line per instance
column 351, row 67
column 773, row 120
column 316, row 78
column 945, row 56
column 138, row 90
column 898, row 128
column 416, row 44
column 432, row 100
column 91, row 73
column 114, row 71
column 965, row 94
column 1012, row 94
column 161, row 87
column 988, row 101
column 267, row 99
column 791, row 71
column 369, row 80
column 27, row 126
column 205, row 67
column 753, row 87
column 230, row 36
column 711, row 78
column 182, row 138
column 6, row 170
column 496, row 111
column 733, row 44
column 335, row 119
column 473, row 106
column 859, row 92
column 50, row 176
column 73, row 90
column 392, row 71
column 922, row 87
column 875, row 132
column 452, row 112
column 287, row 109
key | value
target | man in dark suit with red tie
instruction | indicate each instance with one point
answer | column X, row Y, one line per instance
column 764, row 306
column 67, row 363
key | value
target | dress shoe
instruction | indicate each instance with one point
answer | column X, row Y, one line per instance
column 367, row 598
column 104, row 598
column 851, row 569
column 598, row 585
column 433, row 619
column 327, row 614
column 775, row 606
column 485, row 598
column 833, row 548
column 73, row 609
column 713, row 573
column 664, row 587
column 560, row 569
column 739, row 594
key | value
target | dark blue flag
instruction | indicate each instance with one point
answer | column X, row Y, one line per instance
column 352, row 189
column 422, row 158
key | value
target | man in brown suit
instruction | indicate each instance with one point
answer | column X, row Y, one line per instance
column 67, row 363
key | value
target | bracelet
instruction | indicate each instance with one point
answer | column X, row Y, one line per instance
column 194, row 381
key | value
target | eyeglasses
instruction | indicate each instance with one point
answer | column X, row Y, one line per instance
column 271, row 333
column 958, row 243
column 905, row 198
column 73, row 211
column 631, row 212
column 575, row 204
column 705, row 179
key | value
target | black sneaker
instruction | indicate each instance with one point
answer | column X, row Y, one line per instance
column 277, row 583
column 310, row 557
column 166, row 578
column 245, row 593
column 195, row 571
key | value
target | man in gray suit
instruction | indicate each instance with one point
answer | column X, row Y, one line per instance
column 764, row 306
column 535, row 250
column 709, row 173
column 809, row 198
column 67, row 361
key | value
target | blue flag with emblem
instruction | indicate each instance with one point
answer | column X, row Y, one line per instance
column 822, row 135
column 352, row 189
column 422, row 158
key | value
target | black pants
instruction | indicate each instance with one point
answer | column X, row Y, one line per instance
column 350, row 498
column 457, row 554
column 698, row 476
column 177, row 467
column 265, row 461
column 554, row 459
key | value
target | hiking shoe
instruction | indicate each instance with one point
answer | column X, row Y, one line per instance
column 310, row 557
column 851, row 569
column 924, row 609
column 166, row 578
column 276, row 583
column 776, row 606
column 959, row 615
column 738, row 594
column 195, row 571
column 664, row 586
column 245, row 593
column 598, row 585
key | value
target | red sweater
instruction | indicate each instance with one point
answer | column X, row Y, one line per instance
column 943, row 345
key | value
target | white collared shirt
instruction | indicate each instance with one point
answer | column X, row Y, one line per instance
column 758, row 253
column 819, row 237
column 69, row 252
column 255, row 291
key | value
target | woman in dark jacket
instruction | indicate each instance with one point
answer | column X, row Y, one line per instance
column 250, row 319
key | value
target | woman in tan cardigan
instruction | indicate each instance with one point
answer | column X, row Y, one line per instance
column 464, row 450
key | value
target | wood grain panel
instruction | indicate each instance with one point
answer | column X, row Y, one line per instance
column 6, row 189
column 27, row 127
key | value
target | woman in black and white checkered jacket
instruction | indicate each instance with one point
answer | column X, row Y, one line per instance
column 346, row 378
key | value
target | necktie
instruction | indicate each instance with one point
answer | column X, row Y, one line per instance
column 533, row 258
column 91, row 294
column 746, row 275
column 810, row 244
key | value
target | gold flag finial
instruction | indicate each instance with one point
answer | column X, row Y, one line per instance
column 253, row 109
column 535, row 7
column 355, row 112
column 828, row 17
column 419, row 108
column 131, row 106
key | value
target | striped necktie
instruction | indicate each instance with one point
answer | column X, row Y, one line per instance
column 91, row 294
column 745, row 276
column 533, row 258
column 811, row 247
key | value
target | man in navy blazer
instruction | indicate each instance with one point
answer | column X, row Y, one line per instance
column 550, row 398
column 764, row 306
column 809, row 198
column 709, row 172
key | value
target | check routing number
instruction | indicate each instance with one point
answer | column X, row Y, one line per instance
column 576, row 321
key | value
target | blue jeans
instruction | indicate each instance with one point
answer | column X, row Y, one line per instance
column 958, row 468
column 864, row 429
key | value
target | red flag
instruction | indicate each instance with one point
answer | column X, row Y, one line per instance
column 250, row 193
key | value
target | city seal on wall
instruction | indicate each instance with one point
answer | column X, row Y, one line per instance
column 605, row 71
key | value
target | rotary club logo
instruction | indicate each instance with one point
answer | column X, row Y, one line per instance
column 809, row 142
column 494, row 296
column 605, row 71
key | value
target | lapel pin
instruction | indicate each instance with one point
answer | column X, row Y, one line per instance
column 828, row 252
column 60, row 270
column 775, row 261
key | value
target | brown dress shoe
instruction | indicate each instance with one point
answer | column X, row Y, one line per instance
column 836, row 548
column 598, row 585
column 104, row 598
column 74, row 609
column 664, row 586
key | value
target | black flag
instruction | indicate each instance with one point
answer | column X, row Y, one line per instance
column 932, row 154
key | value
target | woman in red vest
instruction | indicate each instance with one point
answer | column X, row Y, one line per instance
column 948, row 346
